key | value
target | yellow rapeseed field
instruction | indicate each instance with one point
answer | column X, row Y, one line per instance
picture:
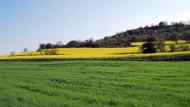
column 76, row 53
column 167, row 43
column 90, row 53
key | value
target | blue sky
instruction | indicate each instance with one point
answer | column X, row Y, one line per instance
column 26, row 23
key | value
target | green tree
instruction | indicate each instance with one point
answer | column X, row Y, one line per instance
column 174, row 37
column 149, row 45
column 186, row 36
column 163, row 24
column 160, row 45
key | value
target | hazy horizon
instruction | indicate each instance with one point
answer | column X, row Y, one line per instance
column 26, row 23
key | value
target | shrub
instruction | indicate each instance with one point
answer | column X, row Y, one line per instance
column 52, row 51
column 148, row 47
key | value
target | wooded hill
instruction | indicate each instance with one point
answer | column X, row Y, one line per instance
column 162, row 31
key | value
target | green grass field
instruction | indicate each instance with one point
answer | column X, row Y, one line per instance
column 94, row 84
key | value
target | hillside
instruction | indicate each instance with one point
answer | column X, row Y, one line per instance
column 162, row 31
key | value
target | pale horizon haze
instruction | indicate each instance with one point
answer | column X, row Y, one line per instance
column 26, row 23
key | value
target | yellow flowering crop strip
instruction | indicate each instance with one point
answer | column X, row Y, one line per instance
column 89, row 53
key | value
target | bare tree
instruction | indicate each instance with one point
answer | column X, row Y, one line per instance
column 25, row 50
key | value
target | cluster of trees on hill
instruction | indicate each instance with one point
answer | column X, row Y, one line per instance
column 163, row 31
column 153, row 44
